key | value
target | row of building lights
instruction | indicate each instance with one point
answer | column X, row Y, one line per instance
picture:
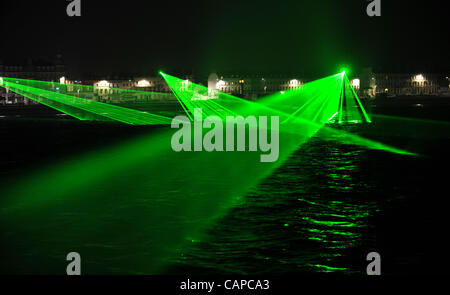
column 356, row 83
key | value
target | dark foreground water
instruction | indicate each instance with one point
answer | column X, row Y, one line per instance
column 331, row 204
column 323, row 210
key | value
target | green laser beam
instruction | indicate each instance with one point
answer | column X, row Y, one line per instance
column 113, row 112
column 323, row 95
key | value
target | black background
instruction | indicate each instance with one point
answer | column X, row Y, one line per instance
column 311, row 37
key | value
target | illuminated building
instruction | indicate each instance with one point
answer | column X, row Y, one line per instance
column 252, row 86
column 407, row 84
column 31, row 69
column 399, row 84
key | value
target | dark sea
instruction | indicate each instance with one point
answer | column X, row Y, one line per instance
column 322, row 211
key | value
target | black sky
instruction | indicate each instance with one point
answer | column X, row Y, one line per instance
column 313, row 37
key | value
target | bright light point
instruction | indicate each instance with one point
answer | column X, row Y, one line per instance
column 356, row 83
column 62, row 80
column 419, row 78
column 343, row 71
column 220, row 83
column 103, row 83
column 143, row 83
column 294, row 82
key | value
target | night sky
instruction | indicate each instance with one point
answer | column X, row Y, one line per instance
column 313, row 37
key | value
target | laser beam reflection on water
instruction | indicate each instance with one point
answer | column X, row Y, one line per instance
column 304, row 225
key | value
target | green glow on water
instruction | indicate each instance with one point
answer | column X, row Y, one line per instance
column 326, row 268
column 331, row 223
column 334, row 232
